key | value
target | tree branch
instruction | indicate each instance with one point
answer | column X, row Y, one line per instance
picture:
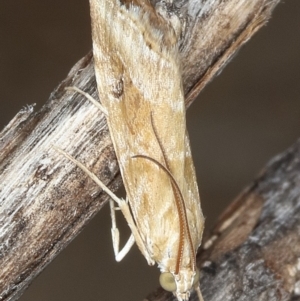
column 46, row 200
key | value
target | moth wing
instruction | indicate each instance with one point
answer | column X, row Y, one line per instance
column 138, row 77
column 192, row 198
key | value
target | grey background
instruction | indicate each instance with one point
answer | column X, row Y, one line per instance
column 247, row 115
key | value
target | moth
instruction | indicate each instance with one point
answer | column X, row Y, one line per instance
column 138, row 76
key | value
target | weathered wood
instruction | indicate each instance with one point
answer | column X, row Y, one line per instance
column 45, row 200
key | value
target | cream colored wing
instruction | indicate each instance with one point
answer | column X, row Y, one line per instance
column 138, row 76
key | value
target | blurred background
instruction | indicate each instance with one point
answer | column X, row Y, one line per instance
column 248, row 114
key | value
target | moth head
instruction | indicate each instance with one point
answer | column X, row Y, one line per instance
column 180, row 285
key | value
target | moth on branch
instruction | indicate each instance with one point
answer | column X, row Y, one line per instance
column 44, row 203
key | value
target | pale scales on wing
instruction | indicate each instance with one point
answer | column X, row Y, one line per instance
column 138, row 76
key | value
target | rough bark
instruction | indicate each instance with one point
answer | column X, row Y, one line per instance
column 46, row 201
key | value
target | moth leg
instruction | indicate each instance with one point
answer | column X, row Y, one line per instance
column 90, row 98
column 115, row 234
column 134, row 237
column 199, row 294
column 124, row 207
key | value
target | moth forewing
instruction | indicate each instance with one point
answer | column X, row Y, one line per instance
column 191, row 196
column 139, row 83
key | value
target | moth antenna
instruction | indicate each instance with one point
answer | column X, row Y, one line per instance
column 178, row 200
column 180, row 207
column 181, row 211
column 159, row 142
